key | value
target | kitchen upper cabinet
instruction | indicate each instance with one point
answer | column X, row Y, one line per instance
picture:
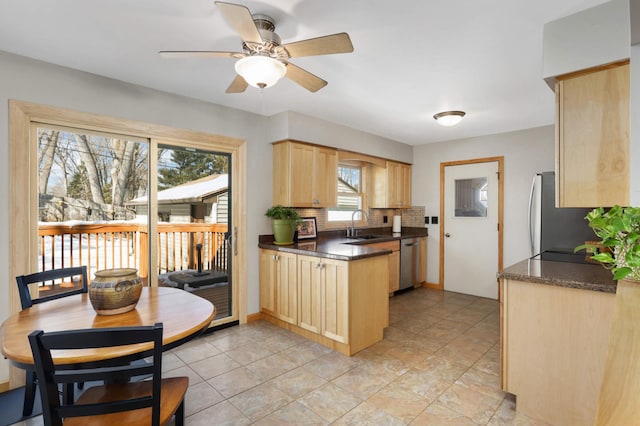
column 278, row 285
column 304, row 175
column 592, row 138
column 391, row 186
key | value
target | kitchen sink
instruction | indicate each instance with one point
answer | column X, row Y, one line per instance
column 367, row 237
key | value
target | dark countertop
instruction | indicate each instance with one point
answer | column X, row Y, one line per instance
column 335, row 245
column 565, row 274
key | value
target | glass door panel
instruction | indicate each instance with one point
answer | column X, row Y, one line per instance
column 194, row 218
column 86, row 185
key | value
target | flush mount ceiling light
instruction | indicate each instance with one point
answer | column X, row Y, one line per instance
column 260, row 71
column 449, row 118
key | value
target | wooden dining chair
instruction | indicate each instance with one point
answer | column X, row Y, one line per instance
column 122, row 401
column 59, row 283
column 54, row 290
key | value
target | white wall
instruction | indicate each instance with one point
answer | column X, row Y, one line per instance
column 525, row 152
column 38, row 82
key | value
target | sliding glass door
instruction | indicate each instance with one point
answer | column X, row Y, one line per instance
column 113, row 201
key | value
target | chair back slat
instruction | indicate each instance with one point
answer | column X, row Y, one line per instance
column 50, row 375
column 23, row 282
column 102, row 373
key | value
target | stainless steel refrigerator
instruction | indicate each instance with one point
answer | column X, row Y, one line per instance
column 555, row 232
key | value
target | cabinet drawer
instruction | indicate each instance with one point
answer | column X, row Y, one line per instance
column 388, row 245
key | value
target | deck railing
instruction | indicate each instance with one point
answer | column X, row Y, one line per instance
column 126, row 245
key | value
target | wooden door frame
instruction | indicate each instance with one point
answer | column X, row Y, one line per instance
column 500, row 161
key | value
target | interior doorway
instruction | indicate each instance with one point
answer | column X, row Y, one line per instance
column 471, row 229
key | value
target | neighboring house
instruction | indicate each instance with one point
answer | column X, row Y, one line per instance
column 202, row 200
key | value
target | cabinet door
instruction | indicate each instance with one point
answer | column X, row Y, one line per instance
column 309, row 294
column 335, row 300
column 302, row 175
column 286, row 288
column 394, row 271
column 268, row 278
column 405, row 186
column 325, row 185
column 592, row 139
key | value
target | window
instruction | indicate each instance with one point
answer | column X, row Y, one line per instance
column 350, row 194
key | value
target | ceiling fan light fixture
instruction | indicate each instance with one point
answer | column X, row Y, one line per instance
column 260, row 71
column 449, row 118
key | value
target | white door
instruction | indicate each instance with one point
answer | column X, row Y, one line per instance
column 471, row 229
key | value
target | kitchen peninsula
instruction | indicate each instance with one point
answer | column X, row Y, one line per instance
column 332, row 290
column 555, row 322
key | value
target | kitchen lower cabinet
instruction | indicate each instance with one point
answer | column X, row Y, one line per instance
column 341, row 304
column 334, row 279
column 310, row 305
column 278, row 285
column 554, row 344
column 394, row 262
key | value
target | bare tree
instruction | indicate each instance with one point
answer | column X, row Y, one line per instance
column 122, row 167
column 90, row 163
column 47, row 143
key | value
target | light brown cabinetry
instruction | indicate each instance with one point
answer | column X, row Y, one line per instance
column 394, row 262
column 304, row 175
column 554, row 345
column 592, row 138
column 341, row 304
column 391, row 186
column 310, row 294
column 278, row 285
column 324, row 297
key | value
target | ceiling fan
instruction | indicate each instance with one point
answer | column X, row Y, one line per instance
column 264, row 60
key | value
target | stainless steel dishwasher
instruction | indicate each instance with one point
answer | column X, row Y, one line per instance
column 409, row 262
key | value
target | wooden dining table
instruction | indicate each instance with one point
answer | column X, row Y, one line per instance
column 183, row 315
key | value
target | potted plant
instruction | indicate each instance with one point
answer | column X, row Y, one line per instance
column 619, row 231
column 283, row 221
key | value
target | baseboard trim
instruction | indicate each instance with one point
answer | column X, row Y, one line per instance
column 254, row 317
column 435, row 286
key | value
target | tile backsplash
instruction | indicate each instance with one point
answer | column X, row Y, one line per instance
column 411, row 217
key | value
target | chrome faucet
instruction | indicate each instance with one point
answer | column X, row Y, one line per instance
column 351, row 232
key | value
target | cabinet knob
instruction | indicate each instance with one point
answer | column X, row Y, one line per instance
column 447, row 235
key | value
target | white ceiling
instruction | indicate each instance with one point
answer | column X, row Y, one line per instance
column 411, row 59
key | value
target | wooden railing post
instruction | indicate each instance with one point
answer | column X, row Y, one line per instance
column 143, row 255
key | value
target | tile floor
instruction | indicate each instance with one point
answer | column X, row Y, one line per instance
column 437, row 365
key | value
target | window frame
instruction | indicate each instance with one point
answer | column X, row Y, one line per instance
column 363, row 196
column 23, row 190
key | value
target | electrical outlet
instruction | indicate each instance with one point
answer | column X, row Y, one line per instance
column 426, row 220
column 434, row 220
column 385, row 219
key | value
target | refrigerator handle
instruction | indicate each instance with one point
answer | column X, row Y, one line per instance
column 530, row 220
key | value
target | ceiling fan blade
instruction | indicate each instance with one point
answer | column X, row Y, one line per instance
column 239, row 17
column 200, row 54
column 238, row 85
column 327, row 45
column 304, row 78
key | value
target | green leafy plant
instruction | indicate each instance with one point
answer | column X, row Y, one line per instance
column 619, row 230
column 281, row 212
